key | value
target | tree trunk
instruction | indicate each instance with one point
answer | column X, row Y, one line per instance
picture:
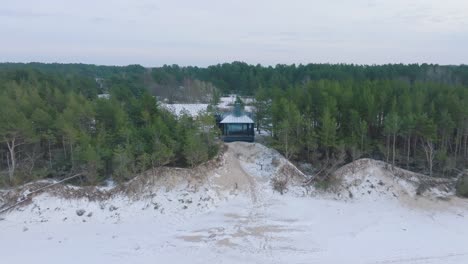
column 71, row 155
column 457, row 143
column 466, row 147
column 362, row 142
column 64, row 147
column 32, row 159
column 415, row 146
column 393, row 151
column 450, row 143
column 153, row 172
column 327, row 152
column 8, row 161
column 429, row 150
column 50, row 154
column 408, row 152
column 12, row 164
column 286, row 146
column 388, row 148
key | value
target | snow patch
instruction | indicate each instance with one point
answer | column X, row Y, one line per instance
column 191, row 109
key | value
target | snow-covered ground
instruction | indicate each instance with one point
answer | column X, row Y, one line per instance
column 227, row 212
column 191, row 109
column 225, row 103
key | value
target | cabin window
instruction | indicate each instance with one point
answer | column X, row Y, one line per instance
column 238, row 129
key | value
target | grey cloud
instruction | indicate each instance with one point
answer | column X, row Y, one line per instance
column 210, row 31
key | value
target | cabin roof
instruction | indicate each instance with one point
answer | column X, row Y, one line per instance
column 243, row 119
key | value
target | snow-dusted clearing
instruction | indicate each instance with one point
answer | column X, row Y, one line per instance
column 226, row 212
column 226, row 102
column 191, row 109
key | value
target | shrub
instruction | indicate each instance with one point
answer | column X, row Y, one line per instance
column 280, row 184
column 324, row 184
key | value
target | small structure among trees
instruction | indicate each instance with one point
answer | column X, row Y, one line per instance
column 237, row 126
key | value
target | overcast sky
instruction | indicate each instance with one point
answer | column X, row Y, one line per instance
column 205, row 32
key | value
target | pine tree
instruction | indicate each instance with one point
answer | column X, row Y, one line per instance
column 194, row 150
column 392, row 127
column 15, row 131
column 327, row 132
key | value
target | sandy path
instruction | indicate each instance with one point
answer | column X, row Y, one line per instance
column 252, row 183
column 233, row 176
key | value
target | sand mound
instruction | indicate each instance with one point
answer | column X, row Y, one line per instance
column 225, row 211
column 240, row 168
column 372, row 179
column 248, row 169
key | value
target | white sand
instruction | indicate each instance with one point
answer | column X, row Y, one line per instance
column 229, row 214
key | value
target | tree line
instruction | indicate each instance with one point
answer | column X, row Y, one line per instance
column 53, row 124
column 414, row 116
column 420, row 126
column 245, row 79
